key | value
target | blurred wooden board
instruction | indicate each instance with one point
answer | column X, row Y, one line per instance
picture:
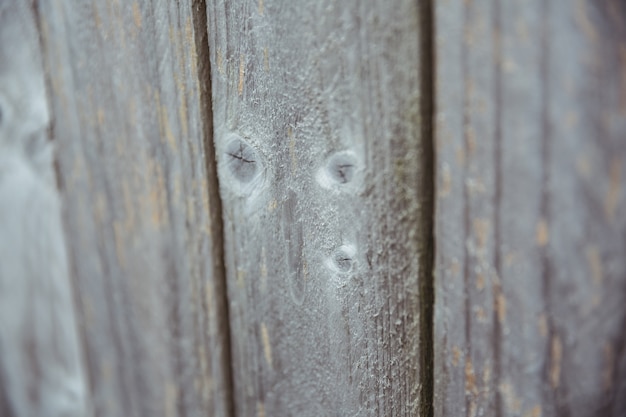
column 130, row 104
column 530, row 306
column 41, row 368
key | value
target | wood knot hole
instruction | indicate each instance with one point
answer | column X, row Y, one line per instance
column 343, row 258
column 242, row 160
column 341, row 168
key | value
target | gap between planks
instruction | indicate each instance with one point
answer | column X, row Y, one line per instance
column 427, row 217
column 200, row 27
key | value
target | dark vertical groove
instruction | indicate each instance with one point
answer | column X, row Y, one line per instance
column 497, row 199
column 199, row 13
column 47, row 86
column 427, row 214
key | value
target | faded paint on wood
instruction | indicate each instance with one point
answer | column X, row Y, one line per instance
column 41, row 369
column 320, row 161
column 530, row 316
column 141, row 210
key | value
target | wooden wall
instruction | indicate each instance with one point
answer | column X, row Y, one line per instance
column 318, row 142
column 328, row 208
column 41, row 368
column 530, row 276
column 142, row 215
column 130, row 121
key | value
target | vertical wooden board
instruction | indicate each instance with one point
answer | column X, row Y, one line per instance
column 322, row 172
column 586, row 92
column 450, row 337
column 141, row 210
column 530, row 225
column 41, row 369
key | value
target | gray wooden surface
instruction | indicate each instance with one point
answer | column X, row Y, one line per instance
column 41, row 369
column 317, row 132
column 132, row 284
column 530, row 219
column 131, row 121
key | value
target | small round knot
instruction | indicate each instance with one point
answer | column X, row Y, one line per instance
column 341, row 167
column 343, row 258
column 341, row 172
column 242, row 160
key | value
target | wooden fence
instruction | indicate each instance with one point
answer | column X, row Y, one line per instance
column 313, row 208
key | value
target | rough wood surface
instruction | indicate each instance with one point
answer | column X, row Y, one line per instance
column 317, row 132
column 140, row 207
column 530, row 311
column 41, row 370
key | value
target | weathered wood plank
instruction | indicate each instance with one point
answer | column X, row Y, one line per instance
column 41, row 370
column 141, row 209
column 530, row 220
column 316, row 118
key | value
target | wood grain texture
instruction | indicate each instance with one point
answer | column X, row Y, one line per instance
column 320, row 161
column 41, row 369
column 141, row 205
column 530, row 316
